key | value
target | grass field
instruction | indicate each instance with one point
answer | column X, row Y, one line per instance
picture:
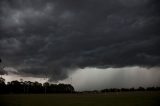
column 109, row 99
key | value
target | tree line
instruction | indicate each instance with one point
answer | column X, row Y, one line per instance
column 27, row 87
column 107, row 90
column 131, row 89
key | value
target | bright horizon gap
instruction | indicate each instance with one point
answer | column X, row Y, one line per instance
column 97, row 79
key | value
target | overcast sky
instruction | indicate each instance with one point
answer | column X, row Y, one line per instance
column 93, row 40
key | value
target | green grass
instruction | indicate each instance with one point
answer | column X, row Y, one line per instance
column 109, row 99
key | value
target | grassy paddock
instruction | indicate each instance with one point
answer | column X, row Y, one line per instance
column 109, row 99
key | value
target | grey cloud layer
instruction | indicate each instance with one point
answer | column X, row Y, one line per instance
column 58, row 36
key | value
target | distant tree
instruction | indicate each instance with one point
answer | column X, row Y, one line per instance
column 53, row 88
column 36, row 87
column 69, row 88
column 16, row 87
column 132, row 89
column 2, row 85
column 33, row 87
column 2, row 80
column 46, row 86
column 150, row 89
column 27, row 85
column 141, row 89
column 124, row 89
column 23, row 85
column 157, row 88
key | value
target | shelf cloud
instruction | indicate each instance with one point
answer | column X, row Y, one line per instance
column 56, row 37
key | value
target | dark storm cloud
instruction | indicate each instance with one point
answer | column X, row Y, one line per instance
column 58, row 36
